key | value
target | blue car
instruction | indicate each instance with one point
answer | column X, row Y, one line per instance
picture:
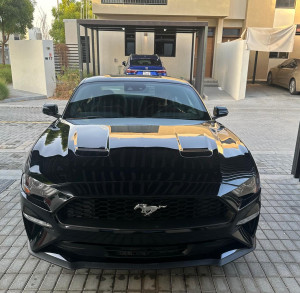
column 149, row 65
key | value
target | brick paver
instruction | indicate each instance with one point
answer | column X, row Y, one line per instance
column 267, row 124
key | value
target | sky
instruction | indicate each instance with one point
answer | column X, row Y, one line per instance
column 46, row 5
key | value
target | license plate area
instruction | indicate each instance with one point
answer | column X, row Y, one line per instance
column 146, row 73
column 144, row 252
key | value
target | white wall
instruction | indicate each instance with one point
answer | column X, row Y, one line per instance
column 112, row 53
column 180, row 65
column 32, row 64
column 144, row 43
column 237, row 9
column 284, row 17
column 232, row 68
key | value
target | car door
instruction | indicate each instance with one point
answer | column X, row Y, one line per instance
column 289, row 72
column 285, row 72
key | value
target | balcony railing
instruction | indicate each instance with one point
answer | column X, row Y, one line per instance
column 136, row 2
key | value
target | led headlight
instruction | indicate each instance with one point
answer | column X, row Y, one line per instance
column 252, row 185
column 33, row 186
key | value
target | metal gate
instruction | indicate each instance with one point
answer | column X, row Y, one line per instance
column 66, row 57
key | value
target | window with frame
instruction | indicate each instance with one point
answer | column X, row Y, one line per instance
column 84, row 49
column 129, row 43
column 165, row 44
column 231, row 32
column 285, row 3
column 279, row 55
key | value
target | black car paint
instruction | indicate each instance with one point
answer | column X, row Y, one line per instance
column 140, row 159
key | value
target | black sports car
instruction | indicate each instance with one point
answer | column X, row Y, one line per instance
column 136, row 174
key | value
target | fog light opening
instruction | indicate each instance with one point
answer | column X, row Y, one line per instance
column 37, row 221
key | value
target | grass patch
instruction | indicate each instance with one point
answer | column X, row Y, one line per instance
column 4, row 92
column 5, row 73
column 66, row 83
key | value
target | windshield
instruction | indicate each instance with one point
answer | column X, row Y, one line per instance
column 138, row 99
column 145, row 62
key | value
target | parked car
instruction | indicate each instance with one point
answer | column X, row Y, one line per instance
column 287, row 75
column 137, row 174
column 149, row 65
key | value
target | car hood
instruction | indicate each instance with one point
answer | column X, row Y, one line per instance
column 116, row 152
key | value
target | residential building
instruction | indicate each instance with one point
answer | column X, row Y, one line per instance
column 227, row 19
column 34, row 34
column 272, row 13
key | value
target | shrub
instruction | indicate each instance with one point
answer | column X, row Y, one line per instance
column 66, row 82
column 5, row 73
column 4, row 92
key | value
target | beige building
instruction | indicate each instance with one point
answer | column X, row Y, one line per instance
column 272, row 13
column 174, row 49
column 226, row 20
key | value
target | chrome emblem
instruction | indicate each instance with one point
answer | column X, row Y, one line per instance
column 148, row 210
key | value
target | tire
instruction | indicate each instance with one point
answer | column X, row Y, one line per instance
column 269, row 79
column 292, row 87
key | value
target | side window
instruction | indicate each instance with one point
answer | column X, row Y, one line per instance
column 292, row 64
column 285, row 64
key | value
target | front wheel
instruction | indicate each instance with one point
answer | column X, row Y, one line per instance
column 292, row 87
column 269, row 79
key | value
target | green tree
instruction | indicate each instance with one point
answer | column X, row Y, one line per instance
column 68, row 9
column 15, row 17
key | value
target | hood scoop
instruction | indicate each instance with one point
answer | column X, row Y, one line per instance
column 195, row 146
column 91, row 141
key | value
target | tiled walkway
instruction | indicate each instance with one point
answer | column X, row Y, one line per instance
column 268, row 124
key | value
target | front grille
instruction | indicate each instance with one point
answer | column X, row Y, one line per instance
column 122, row 209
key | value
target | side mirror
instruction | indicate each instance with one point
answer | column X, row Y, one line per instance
column 220, row 111
column 124, row 63
column 51, row 110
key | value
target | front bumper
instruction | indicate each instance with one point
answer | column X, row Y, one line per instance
column 75, row 247
column 59, row 260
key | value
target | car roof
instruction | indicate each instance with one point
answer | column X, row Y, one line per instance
column 111, row 78
column 136, row 56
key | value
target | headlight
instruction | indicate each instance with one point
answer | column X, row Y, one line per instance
column 252, row 185
column 33, row 186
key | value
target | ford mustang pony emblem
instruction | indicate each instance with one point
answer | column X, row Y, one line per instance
column 148, row 210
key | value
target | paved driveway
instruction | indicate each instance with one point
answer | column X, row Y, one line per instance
column 267, row 121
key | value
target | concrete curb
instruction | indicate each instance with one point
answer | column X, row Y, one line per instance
column 21, row 99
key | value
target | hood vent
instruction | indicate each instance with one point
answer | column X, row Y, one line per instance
column 91, row 141
column 195, row 146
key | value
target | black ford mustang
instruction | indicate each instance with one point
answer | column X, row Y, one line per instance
column 136, row 174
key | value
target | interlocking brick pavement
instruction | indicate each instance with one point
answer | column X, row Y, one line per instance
column 267, row 124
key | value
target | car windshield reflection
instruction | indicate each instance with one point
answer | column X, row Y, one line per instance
column 136, row 100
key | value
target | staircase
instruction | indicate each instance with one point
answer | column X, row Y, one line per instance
column 210, row 82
